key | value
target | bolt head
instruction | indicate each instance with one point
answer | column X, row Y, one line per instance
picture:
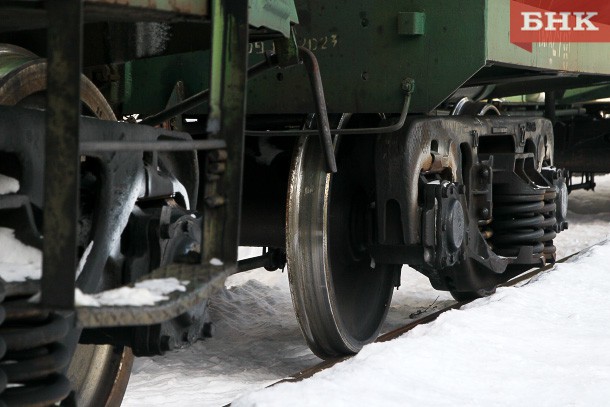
column 408, row 85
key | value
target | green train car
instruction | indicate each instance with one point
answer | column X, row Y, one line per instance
column 144, row 141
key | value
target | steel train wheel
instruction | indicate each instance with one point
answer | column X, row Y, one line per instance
column 98, row 373
column 340, row 297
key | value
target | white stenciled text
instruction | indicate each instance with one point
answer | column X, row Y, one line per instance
column 558, row 21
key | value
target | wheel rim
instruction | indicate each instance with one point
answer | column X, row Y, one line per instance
column 98, row 373
column 340, row 302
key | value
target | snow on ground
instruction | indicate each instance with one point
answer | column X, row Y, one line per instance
column 479, row 356
column 542, row 344
column 546, row 339
column 256, row 341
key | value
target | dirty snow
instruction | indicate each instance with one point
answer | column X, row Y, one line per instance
column 497, row 352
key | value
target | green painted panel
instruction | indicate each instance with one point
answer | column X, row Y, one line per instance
column 366, row 50
column 364, row 57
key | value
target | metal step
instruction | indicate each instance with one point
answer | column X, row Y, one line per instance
column 203, row 281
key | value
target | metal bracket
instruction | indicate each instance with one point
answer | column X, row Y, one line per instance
column 411, row 23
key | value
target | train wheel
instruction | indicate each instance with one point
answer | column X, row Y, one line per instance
column 98, row 373
column 340, row 297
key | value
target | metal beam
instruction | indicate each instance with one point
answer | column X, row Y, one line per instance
column 62, row 162
column 222, row 193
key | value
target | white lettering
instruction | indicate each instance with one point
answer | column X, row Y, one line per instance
column 532, row 21
column 580, row 21
column 564, row 18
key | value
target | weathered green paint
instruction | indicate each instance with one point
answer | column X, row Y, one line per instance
column 363, row 58
column 464, row 42
column 274, row 14
column 221, row 23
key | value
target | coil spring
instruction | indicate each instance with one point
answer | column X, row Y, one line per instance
column 525, row 219
column 32, row 355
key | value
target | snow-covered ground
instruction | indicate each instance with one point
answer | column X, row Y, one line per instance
column 541, row 344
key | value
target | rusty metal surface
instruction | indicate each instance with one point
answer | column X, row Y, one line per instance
column 220, row 199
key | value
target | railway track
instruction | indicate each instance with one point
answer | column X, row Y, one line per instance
column 304, row 374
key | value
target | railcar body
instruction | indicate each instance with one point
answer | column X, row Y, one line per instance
column 151, row 138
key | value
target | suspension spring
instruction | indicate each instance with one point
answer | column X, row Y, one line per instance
column 550, row 221
column 32, row 355
column 525, row 220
